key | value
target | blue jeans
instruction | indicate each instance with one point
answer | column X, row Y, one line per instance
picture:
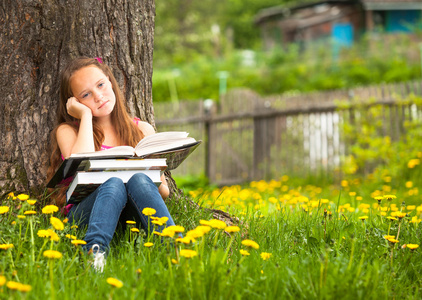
column 114, row 201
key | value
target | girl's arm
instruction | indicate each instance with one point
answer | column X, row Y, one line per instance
column 71, row 141
column 163, row 189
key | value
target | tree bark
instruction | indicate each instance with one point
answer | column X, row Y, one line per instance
column 37, row 38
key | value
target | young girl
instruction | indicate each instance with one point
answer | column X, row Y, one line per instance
column 92, row 116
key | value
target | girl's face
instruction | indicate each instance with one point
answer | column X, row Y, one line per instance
column 93, row 89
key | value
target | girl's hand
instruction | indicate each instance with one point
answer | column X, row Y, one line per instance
column 76, row 109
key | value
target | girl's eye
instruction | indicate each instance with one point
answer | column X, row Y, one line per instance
column 101, row 84
column 85, row 95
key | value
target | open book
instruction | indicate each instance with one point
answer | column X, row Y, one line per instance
column 174, row 146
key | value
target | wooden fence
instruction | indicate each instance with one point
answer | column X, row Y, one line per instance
column 249, row 137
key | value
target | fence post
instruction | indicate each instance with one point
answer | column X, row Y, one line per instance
column 209, row 108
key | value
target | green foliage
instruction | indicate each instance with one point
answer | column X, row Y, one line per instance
column 289, row 69
column 387, row 142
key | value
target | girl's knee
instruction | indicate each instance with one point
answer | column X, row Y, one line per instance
column 139, row 179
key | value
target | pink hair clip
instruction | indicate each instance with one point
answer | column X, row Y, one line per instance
column 99, row 59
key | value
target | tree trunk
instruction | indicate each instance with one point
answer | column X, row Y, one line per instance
column 37, row 38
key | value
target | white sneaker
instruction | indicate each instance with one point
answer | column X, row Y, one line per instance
column 99, row 258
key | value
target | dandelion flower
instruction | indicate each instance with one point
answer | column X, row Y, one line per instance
column 57, row 223
column 4, row 209
column 387, row 237
column 174, row 262
column 78, row 242
column 21, row 216
column 231, row 229
column 30, row 212
column 363, row 218
column 412, row 246
column 72, row 237
column 31, row 202
column 389, row 197
column 2, row 280
column 177, row 228
column 22, row 197
column 65, row 220
column 218, row 224
column 148, row 245
column 6, row 246
column 265, row 255
column 186, row 240
column 134, row 229
column 74, row 227
column 139, row 271
column 392, row 218
column 188, row 253
column 49, row 209
column 130, row 222
column 149, row 211
column 52, row 254
column 114, row 282
column 13, row 285
column 393, row 241
column 168, row 231
column 244, row 252
column 250, row 243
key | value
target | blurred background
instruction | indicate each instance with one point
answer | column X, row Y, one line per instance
column 306, row 88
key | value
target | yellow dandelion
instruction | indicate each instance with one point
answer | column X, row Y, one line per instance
column 49, row 209
column 166, row 232
column 21, row 216
column 134, row 229
column 174, row 262
column 231, row 229
column 53, row 254
column 138, row 271
column 78, row 242
column 393, row 241
column 203, row 228
column 114, row 282
column 31, row 202
column 157, row 233
column 74, row 227
column 188, row 253
column 363, row 218
column 130, row 222
column 22, row 197
column 265, row 255
column 149, row 211
column 387, row 237
column 57, row 223
column 6, row 246
column 244, row 252
column 186, row 240
column 69, row 236
column 176, row 228
column 2, row 280
column 218, row 224
column 4, row 209
column 65, row 220
column 250, row 243
column 389, row 197
column 412, row 246
column 392, row 218
column 148, row 245
column 30, row 212
column 13, row 285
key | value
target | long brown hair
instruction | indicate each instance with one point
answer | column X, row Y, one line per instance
column 127, row 132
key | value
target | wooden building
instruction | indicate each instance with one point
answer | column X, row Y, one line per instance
column 337, row 21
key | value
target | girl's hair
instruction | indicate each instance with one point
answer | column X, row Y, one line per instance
column 127, row 132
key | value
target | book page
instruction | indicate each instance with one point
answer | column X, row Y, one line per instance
column 115, row 151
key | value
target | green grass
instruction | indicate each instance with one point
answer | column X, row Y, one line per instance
column 313, row 255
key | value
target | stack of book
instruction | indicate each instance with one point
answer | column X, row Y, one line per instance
column 152, row 156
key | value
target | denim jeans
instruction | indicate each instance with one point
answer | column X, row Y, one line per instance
column 114, row 201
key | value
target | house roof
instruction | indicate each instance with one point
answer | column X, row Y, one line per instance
column 392, row 4
column 285, row 11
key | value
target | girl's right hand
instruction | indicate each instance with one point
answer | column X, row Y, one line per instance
column 76, row 109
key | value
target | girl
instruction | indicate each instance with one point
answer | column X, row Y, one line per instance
column 91, row 117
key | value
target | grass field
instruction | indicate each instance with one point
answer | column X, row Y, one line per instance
column 293, row 240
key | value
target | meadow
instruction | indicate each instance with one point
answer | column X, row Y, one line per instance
column 293, row 239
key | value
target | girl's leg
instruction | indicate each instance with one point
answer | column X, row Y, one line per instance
column 142, row 193
column 101, row 211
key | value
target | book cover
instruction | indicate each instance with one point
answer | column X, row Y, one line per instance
column 84, row 183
